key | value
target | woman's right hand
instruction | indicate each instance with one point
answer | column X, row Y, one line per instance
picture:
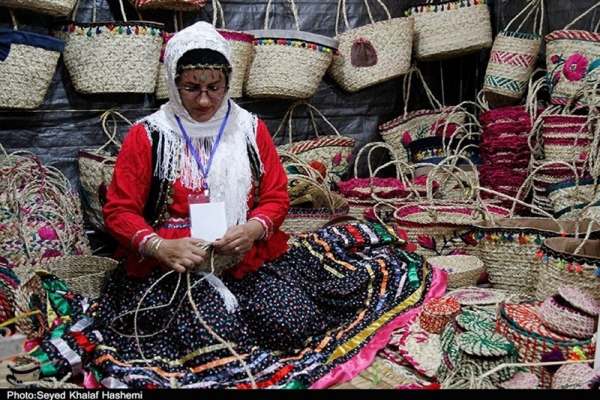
column 180, row 255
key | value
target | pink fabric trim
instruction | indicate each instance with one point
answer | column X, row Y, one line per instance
column 351, row 368
column 237, row 36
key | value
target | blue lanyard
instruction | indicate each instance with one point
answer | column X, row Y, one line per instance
column 205, row 170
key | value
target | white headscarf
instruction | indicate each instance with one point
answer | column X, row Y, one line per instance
column 228, row 182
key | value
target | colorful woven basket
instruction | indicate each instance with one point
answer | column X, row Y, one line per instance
column 521, row 324
column 373, row 53
column 569, row 262
column 514, row 55
column 462, row 270
column 572, row 197
column 112, row 57
column 573, row 63
column 177, row 5
column 288, row 63
column 329, row 154
column 558, row 315
column 27, row 66
column 566, row 137
column 437, row 313
column 59, row 8
column 450, row 29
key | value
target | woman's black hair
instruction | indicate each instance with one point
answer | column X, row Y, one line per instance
column 204, row 58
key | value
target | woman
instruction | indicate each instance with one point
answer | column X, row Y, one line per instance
column 278, row 317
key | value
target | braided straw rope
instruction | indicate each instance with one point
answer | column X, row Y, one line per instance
column 96, row 167
column 178, row 5
column 391, row 39
column 578, row 43
column 26, row 74
column 282, row 71
column 450, row 33
column 112, row 62
column 514, row 55
column 59, row 8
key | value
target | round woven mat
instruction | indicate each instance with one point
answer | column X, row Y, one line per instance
column 486, row 344
column 477, row 322
column 472, row 296
column 522, row 380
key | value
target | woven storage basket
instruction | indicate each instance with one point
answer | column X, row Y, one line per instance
column 162, row 89
column 96, row 170
column 60, row 8
column 521, row 324
column 178, row 5
column 451, row 29
column 566, row 137
column 288, row 63
column 330, row 153
column 514, row 55
column 569, row 262
column 462, row 270
column 559, row 316
column 572, row 197
column 112, row 57
column 437, row 313
column 30, row 300
column 373, row 53
column 409, row 126
column 572, row 62
column 27, row 67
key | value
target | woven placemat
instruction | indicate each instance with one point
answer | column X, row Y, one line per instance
column 472, row 296
column 580, row 299
column 475, row 321
column 485, row 344
column 521, row 380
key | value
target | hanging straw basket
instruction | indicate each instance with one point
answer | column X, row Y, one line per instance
column 522, row 325
column 373, row 53
column 176, row 5
column 96, row 170
column 514, row 55
column 572, row 197
column 59, row 8
column 112, row 57
column 462, row 270
column 451, row 29
column 566, row 137
column 162, row 89
column 573, row 63
column 288, row 63
column 27, row 67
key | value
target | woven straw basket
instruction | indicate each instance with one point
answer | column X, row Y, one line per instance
column 570, row 59
column 571, row 197
column 177, row 5
column 162, row 89
column 462, row 270
column 288, row 63
column 390, row 41
column 451, row 29
column 522, row 325
column 112, row 57
column 27, row 71
column 96, row 170
column 566, row 137
column 514, row 55
column 566, row 320
column 569, row 262
column 59, row 8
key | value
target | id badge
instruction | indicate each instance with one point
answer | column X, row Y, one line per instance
column 208, row 219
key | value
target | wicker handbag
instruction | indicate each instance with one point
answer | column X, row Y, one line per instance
column 573, row 63
column 242, row 52
column 373, row 53
column 288, row 63
column 96, row 169
column 514, row 55
column 566, row 137
column 451, row 29
column 573, row 197
column 59, row 8
column 323, row 205
column 410, row 126
column 330, row 154
column 177, row 5
column 27, row 65
column 112, row 57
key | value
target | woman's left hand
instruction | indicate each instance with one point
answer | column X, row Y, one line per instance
column 238, row 240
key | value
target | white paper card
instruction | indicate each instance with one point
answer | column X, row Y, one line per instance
column 208, row 221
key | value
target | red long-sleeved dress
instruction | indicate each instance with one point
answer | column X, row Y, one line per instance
column 129, row 190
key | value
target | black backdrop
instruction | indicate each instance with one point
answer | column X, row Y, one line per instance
column 68, row 121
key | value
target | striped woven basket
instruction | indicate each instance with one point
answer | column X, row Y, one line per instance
column 566, row 137
column 288, row 63
column 373, row 53
column 573, row 63
column 59, row 8
column 569, row 262
column 514, row 55
column 451, row 29
column 27, row 68
column 572, row 197
column 330, row 154
column 112, row 57
column 177, row 5
column 522, row 325
column 562, row 318
column 162, row 89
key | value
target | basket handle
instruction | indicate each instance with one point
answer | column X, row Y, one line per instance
column 294, row 14
column 406, row 86
column 451, row 168
column 533, row 6
column 372, row 146
column 400, row 175
column 588, row 233
column 341, row 9
column 290, row 114
column 316, row 184
column 569, row 25
column 217, row 9
column 111, row 134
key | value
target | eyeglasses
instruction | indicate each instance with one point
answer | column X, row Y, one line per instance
column 195, row 90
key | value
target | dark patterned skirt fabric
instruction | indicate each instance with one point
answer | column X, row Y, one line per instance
column 297, row 318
